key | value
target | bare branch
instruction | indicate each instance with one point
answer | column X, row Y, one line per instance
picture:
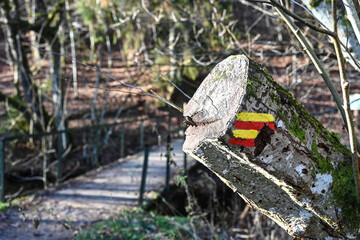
column 300, row 19
column 157, row 19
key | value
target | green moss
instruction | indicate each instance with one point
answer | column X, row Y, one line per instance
column 314, row 148
column 251, row 85
column 252, row 79
column 344, row 195
column 295, row 128
column 282, row 115
column 324, row 165
column 313, row 170
column 275, row 98
column 19, row 126
column 219, row 76
column 285, row 98
column 294, row 125
column 336, row 144
column 343, row 185
column 250, row 90
column 215, row 77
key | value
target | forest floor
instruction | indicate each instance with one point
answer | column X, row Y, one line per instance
column 97, row 195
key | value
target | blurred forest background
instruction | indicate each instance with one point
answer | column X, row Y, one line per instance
column 73, row 64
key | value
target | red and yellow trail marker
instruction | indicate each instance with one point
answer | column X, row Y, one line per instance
column 248, row 126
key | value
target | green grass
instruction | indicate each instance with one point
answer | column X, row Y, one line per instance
column 138, row 224
column 15, row 202
column 3, row 206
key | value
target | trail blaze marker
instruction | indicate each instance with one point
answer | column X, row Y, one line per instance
column 248, row 126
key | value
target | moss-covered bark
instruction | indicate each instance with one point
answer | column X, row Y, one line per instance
column 299, row 174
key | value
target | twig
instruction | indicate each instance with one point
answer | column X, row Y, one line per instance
column 162, row 75
column 171, row 104
column 118, row 112
column 114, row 79
column 157, row 19
column 300, row 19
column 253, row 5
column 237, row 42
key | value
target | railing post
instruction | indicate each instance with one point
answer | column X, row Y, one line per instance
column 141, row 134
column 122, row 140
column 2, row 170
column 44, row 150
column 158, row 124
column 168, row 156
column 59, row 157
column 97, row 145
column 169, row 122
column 185, row 160
column 143, row 175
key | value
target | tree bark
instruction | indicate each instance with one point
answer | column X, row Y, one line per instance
column 264, row 145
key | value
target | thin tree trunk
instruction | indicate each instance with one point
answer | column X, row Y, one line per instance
column 73, row 47
column 95, row 118
column 19, row 58
column 57, row 96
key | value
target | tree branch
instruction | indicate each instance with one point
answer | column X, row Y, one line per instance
column 300, row 19
column 345, row 91
column 266, row 147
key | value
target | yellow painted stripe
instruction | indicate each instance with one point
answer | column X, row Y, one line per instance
column 255, row 117
column 245, row 134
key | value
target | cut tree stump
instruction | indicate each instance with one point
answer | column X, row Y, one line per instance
column 264, row 145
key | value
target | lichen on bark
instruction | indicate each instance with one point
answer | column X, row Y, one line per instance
column 343, row 186
column 296, row 177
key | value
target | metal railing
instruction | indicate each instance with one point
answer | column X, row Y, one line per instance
column 168, row 163
column 59, row 161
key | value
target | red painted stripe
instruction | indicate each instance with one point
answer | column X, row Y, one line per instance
column 242, row 142
column 253, row 125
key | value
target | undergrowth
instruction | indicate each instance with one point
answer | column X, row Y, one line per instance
column 139, row 224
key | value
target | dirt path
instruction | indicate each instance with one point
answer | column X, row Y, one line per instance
column 87, row 199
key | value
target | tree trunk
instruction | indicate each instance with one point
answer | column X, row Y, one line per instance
column 69, row 21
column 264, row 145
